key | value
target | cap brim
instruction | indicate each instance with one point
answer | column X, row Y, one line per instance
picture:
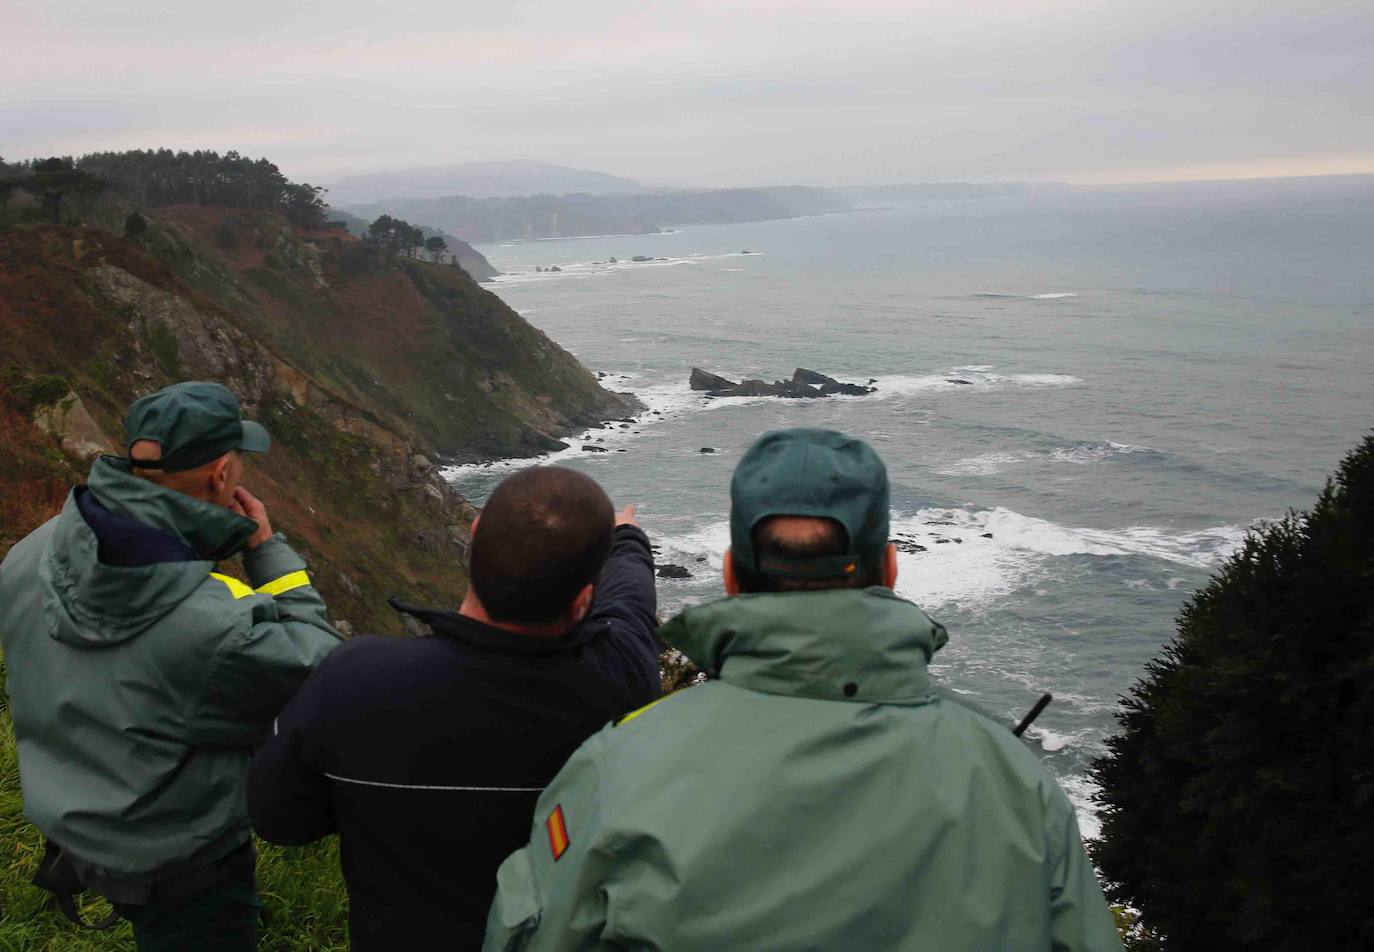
column 255, row 438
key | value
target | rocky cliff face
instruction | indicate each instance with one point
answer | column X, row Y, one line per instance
column 365, row 369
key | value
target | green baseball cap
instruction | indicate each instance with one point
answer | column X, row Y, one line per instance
column 809, row 472
column 194, row 422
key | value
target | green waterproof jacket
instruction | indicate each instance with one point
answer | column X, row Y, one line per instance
column 139, row 679
column 817, row 793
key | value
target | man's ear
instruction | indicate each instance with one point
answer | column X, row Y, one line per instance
column 727, row 568
column 582, row 604
column 890, row 566
column 217, row 477
column 472, row 530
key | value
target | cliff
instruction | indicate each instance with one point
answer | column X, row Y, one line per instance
column 365, row 368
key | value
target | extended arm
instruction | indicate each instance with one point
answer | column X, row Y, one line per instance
column 627, row 600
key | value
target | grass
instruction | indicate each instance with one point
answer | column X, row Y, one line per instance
column 302, row 889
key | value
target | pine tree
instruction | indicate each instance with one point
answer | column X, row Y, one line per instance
column 1238, row 800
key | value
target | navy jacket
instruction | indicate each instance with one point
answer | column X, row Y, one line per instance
column 426, row 755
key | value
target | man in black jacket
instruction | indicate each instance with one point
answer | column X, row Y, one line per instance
column 427, row 754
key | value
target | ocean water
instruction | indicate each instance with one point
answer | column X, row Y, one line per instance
column 1148, row 372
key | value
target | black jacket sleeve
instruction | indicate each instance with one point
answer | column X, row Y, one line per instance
column 627, row 601
column 289, row 799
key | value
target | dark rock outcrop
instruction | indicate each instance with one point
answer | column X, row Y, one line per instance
column 805, row 384
column 673, row 571
column 701, row 380
column 802, row 375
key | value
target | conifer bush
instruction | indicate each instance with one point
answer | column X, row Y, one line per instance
column 1238, row 799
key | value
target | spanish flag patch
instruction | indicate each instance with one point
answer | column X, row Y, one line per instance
column 558, row 833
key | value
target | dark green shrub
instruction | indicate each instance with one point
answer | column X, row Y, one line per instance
column 1238, row 801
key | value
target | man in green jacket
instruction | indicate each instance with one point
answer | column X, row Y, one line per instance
column 140, row 678
column 818, row 792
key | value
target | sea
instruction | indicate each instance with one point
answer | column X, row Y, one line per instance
column 1085, row 398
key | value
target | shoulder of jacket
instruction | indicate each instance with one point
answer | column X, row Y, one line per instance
column 28, row 549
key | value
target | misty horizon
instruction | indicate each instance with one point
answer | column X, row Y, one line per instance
column 813, row 92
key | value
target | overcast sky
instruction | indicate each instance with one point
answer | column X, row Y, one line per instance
column 700, row 93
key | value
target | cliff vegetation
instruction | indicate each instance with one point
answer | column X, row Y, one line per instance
column 1238, row 799
column 367, row 366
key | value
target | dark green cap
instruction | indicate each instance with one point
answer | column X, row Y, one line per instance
column 194, row 422
column 807, row 472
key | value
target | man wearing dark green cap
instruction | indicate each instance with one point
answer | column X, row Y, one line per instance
column 818, row 792
column 140, row 678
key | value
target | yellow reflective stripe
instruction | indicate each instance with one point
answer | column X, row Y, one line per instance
column 236, row 588
column 285, row 583
column 633, row 714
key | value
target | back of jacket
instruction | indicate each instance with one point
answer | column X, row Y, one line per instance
column 138, row 680
column 819, row 795
column 427, row 754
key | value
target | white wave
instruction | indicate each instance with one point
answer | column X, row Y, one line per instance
column 972, row 379
column 975, row 571
column 986, row 464
column 1095, row 452
column 1080, row 790
column 993, row 462
column 1050, row 741
column 1050, row 297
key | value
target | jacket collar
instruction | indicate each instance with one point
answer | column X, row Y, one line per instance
column 212, row 531
column 859, row 645
column 450, row 624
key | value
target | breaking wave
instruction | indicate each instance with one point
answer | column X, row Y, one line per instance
column 949, row 559
column 991, row 463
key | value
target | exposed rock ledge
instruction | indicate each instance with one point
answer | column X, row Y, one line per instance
column 805, row 384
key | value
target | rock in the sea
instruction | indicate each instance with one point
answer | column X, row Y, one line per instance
column 802, row 375
column 641, row 258
column 805, row 383
column 779, row 388
column 987, row 535
column 707, row 449
column 846, row 389
column 589, row 448
column 966, row 383
column 701, row 380
column 673, row 571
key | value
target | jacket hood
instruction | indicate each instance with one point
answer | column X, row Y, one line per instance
column 848, row 644
column 120, row 562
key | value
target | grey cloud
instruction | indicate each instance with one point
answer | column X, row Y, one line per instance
column 809, row 90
